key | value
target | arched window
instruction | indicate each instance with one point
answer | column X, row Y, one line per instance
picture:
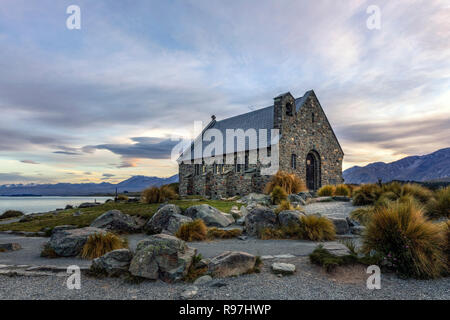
column 293, row 161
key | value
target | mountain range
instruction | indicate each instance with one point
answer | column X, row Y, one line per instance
column 429, row 167
column 133, row 184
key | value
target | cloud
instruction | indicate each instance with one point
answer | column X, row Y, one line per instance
column 128, row 163
column 18, row 177
column 108, row 175
column 29, row 161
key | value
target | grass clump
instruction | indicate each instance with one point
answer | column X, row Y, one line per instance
column 158, row 195
column 439, row 205
column 101, row 243
column 341, row 190
column 367, row 194
column 362, row 215
column 122, row 197
column 326, row 191
column 216, row 233
column 11, row 214
column 284, row 205
column 278, row 195
column 329, row 261
column 195, row 270
column 193, row 231
column 289, row 182
column 48, row 252
column 409, row 244
column 317, row 228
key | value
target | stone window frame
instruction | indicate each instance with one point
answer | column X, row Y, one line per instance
column 293, row 161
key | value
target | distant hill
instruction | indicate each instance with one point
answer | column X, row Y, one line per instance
column 133, row 184
column 433, row 166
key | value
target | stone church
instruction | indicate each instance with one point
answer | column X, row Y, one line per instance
column 307, row 146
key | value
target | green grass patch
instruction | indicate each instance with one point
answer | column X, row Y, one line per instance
column 329, row 261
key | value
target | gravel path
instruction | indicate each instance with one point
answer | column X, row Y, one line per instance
column 309, row 282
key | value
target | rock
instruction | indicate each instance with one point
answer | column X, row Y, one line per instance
column 243, row 238
column 341, row 198
column 202, row 280
column 283, row 268
column 189, row 293
column 5, row 247
column 63, row 227
column 258, row 219
column 162, row 257
column 70, row 242
column 284, row 256
column 256, row 198
column 68, row 207
column 231, row 263
column 240, row 221
column 322, row 199
column 88, row 204
column 340, row 224
column 116, row 221
column 352, row 222
column 210, row 215
column 357, row 230
column 113, row 263
column 167, row 219
column 202, row 264
column 336, row 248
column 305, row 195
column 218, row 283
column 26, row 218
column 290, row 217
column 295, row 198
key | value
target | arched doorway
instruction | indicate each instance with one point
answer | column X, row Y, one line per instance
column 313, row 170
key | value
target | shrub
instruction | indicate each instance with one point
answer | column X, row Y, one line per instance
column 362, row 215
column 215, row 233
column 439, row 205
column 409, row 244
column 101, row 243
column 284, row 205
column 195, row 271
column 192, row 231
column 290, row 182
column 329, row 261
column 422, row 194
column 158, row 195
column 317, row 228
column 367, row 194
column 175, row 187
column 122, row 197
column 341, row 190
column 326, row 191
column 11, row 214
column 278, row 195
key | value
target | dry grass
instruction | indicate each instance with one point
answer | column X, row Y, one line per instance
column 284, row 205
column 122, row 197
column 367, row 194
column 216, row 233
column 326, row 191
column 158, row 195
column 99, row 244
column 409, row 243
column 278, row 195
column 48, row 252
column 290, row 182
column 193, row 231
column 342, row 190
column 439, row 205
column 362, row 215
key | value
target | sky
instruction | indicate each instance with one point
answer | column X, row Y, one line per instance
column 101, row 103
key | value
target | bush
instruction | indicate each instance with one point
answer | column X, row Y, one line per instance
column 215, row 233
column 174, row 186
column 326, row 191
column 99, row 244
column 342, row 190
column 410, row 245
column 317, row 228
column 278, row 195
column 158, row 195
column 11, row 214
column 122, row 197
column 193, row 231
column 422, row 194
column 362, row 215
column 284, row 205
column 290, row 182
column 439, row 205
column 329, row 261
column 367, row 194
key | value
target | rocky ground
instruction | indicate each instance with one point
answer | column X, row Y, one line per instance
column 308, row 282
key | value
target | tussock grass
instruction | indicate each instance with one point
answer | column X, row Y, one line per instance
column 342, row 190
column 439, row 205
column 122, row 197
column 99, row 244
column 409, row 243
column 193, row 231
column 290, row 182
column 278, row 195
column 158, row 195
column 329, row 261
column 215, row 233
column 284, row 205
column 367, row 194
column 326, row 191
column 362, row 215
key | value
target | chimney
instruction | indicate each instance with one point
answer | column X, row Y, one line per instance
column 213, row 117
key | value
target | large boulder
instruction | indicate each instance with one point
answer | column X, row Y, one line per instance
column 290, row 217
column 210, row 215
column 162, row 256
column 113, row 263
column 259, row 218
column 296, row 199
column 116, row 221
column 257, row 198
column 341, row 225
column 167, row 219
column 70, row 242
column 305, row 195
column 231, row 263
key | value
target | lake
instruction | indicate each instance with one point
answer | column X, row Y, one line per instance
column 43, row 204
